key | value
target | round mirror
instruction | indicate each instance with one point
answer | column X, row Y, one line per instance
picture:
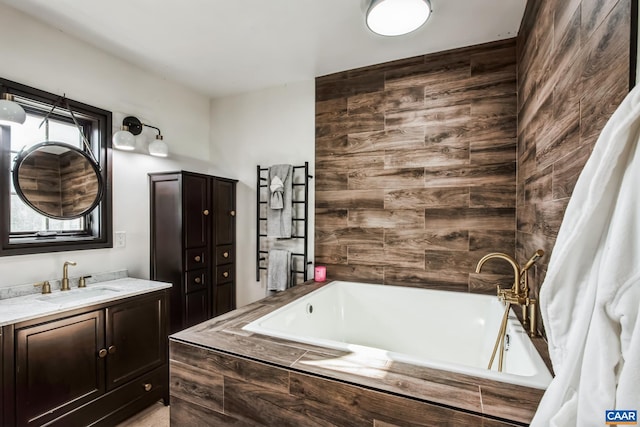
column 57, row 180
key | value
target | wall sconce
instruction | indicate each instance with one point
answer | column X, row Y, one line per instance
column 10, row 110
column 124, row 139
column 397, row 17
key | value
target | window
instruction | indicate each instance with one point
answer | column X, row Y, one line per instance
column 24, row 230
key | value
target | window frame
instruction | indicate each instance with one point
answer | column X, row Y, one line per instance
column 98, row 223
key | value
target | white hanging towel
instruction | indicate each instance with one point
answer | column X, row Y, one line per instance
column 590, row 297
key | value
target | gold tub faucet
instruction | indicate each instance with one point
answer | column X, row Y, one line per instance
column 518, row 294
column 65, row 275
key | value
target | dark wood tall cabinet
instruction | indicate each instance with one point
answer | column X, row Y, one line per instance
column 193, row 233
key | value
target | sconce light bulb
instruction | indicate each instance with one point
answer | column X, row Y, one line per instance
column 11, row 111
column 158, row 147
column 124, row 140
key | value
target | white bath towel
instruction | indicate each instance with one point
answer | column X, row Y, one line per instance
column 590, row 297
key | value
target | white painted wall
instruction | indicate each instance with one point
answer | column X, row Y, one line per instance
column 226, row 137
column 40, row 56
column 266, row 127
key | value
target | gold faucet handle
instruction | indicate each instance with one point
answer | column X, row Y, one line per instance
column 46, row 287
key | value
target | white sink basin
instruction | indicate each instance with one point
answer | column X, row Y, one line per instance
column 77, row 295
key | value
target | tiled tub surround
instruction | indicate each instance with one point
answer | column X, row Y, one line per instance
column 224, row 375
column 573, row 72
column 403, row 324
column 416, row 169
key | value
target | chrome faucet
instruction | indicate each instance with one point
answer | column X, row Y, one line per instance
column 65, row 275
column 518, row 294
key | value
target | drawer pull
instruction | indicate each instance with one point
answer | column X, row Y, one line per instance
column 197, row 280
column 197, row 258
column 147, row 387
column 102, row 353
column 232, row 213
column 225, row 255
column 206, row 212
column 225, row 274
column 112, row 349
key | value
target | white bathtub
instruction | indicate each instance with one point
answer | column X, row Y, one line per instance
column 452, row 331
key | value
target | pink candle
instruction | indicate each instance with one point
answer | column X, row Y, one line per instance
column 320, row 273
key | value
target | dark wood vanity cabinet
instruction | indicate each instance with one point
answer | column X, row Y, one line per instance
column 95, row 366
column 193, row 232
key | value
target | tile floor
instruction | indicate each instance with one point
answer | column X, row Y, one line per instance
column 156, row 415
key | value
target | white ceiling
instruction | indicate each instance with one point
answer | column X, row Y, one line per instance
column 223, row 47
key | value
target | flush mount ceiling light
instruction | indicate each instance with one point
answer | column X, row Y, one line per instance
column 124, row 139
column 397, row 17
column 11, row 111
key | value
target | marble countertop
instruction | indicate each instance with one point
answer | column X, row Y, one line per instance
column 19, row 309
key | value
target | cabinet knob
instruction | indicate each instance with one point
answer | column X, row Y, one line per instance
column 225, row 274
column 232, row 213
column 112, row 349
column 197, row 258
column 206, row 212
column 197, row 280
column 225, row 255
column 102, row 353
column 147, row 387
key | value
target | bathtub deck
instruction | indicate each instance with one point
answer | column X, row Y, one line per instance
column 240, row 364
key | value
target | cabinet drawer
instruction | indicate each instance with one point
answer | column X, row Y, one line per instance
column 224, row 254
column 196, row 258
column 225, row 273
column 196, row 280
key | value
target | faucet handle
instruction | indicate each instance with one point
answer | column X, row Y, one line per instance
column 46, row 287
column 82, row 281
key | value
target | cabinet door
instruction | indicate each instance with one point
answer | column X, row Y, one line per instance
column 224, row 202
column 197, row 210
column 196, row 308
column 224, row 298
column 136, row 339
column 58, row 367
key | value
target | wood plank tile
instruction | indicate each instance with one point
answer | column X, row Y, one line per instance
column 471, row 175
column 258, row 406
column 492, row 241
column 494, row 107
column 349, row 236
column 471, row 218
column 338, row 405
column 203, row 387
column 368, row 255
column 493, row 399
column 330, row 254
column 386, row 178
column 494, row 196
column 331, row 217
column 402, row 138
column 353, row 161
column 183, row 413
column 485, row 283
column 189, row 362
column 440, row 70
column 567, row 170
column 492, row 151
column 423, row 198
column 425, row 117
column 389, row 218
column 432, row 154
column 453, row 240
column 441, row 280
column 448, row 261
column 355, row 273
column 350, row 199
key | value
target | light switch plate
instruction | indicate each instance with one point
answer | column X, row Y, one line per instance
column 121, row 239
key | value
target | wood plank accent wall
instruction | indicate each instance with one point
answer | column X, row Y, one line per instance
column 416, row 169
column 573, row 71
